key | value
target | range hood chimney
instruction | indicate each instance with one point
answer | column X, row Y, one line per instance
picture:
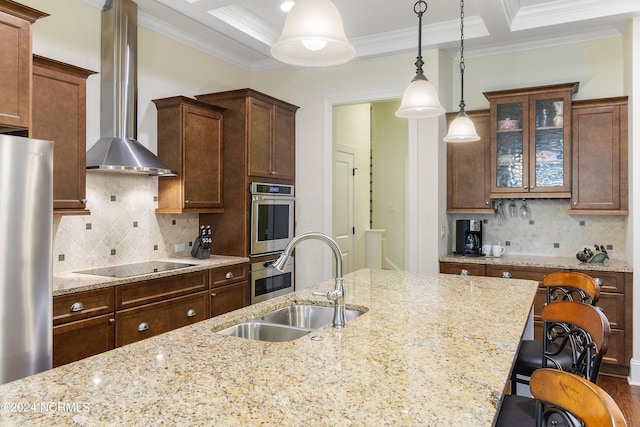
column 118, row 149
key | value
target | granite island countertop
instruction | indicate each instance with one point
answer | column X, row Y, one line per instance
column 418, row 356
column 71, row 282
column 568, row 263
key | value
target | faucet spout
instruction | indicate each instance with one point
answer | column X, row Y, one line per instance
column 337, row 295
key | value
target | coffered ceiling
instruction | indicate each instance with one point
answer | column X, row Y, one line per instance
column 242, row 31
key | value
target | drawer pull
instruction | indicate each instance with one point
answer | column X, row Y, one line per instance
column 143, row 327
column 464, row 272
column 506, row 275
column 76, row 307
column 112, row 321
column 213, row 294
column 229, row 275
column 191, row 313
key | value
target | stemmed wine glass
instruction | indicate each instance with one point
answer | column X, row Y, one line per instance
column 500, row 213
column 513, row 209
column 525, row 212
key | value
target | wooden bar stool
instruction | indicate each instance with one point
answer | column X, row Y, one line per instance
column 578, row 330
column 560, row 286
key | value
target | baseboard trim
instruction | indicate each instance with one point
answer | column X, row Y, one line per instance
column 634, row 372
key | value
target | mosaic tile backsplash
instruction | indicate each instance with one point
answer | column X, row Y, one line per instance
column 550, row 231
column 122, row 228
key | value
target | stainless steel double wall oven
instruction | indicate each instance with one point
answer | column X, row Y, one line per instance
column 272, row 227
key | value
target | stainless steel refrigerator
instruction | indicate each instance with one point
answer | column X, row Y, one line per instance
column 26, row 271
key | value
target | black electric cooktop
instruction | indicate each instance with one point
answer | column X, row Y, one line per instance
column 137, row 269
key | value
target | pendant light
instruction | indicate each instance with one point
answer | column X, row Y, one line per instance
column 313, row 36
column 462, row 128
column 420, row 99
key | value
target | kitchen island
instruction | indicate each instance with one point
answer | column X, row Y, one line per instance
column 430, row 350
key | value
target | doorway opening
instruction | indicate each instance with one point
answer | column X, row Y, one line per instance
column 370, row 184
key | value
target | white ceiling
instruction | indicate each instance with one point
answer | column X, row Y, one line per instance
column 242, row 31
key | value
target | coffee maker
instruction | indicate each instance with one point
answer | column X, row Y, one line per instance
column 469, row 237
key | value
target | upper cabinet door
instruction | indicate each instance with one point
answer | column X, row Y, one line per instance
column 260, row 130
column 59, row 114
column 550, row 149
column 468, row 168
column 600, row 157
column 510, row 143
column 531, row 142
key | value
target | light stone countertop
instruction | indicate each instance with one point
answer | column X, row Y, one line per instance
column 68, row 283
column 430, row 350
column 568, row 263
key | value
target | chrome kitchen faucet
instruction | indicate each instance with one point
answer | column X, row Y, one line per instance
column 337, row 294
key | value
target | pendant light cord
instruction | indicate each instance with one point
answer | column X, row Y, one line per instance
column 461, row 56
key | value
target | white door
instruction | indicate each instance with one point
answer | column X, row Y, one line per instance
column 343, row 204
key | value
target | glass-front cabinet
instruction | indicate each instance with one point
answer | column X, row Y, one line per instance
column 531, row 141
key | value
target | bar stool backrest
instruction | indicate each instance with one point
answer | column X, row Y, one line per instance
column 571, row 286
column 565, row 396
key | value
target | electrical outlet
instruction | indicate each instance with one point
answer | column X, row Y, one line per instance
column 180, row 247
column 443, row 232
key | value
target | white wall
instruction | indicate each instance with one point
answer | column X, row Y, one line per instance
column 390, row 148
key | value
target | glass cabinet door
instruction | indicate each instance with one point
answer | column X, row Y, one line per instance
column 550, row 148
column 511, row 143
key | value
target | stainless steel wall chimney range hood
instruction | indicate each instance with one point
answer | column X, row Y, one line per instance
column 118, row 149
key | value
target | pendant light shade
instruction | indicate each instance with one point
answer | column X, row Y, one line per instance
column 313, row 36
column 420, row 98
column 462, row 128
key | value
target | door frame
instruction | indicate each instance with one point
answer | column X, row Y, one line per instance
column 411, row 219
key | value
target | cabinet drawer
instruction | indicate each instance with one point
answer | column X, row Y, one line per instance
column 139, row 293
column 616, row 350
column 81, row 305
column 519, row 272
column 228, row 298
column 458, row 267
column 230, row 274
column 149, row 320
column 77, row 340
column 611, row 281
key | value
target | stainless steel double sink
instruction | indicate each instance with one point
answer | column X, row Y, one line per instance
column 287, row 323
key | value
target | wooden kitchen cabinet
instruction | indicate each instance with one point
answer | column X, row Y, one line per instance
column 16, row 63
column 600, row 172
column 249, row 115
column 149, row 320
column 190, row 141
column 151, row 307
column 83, row 325
column 266, row 126
column 469, row 168
column 531, row 141
column 229, row 289
column 462, row 269
column 59, row 115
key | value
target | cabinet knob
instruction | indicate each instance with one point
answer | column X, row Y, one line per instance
column 487, row 202
column 274, row 172
column 84, row 201
column 143, row 327
column 464, row 272
column 191, row 313
column 575, row 203
column 229, row 275
column 112, row 321
column 506, row 275
column 525, row 187
column 213, row 294
column 186, row 202
column 76, row 307
column 532, row 187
